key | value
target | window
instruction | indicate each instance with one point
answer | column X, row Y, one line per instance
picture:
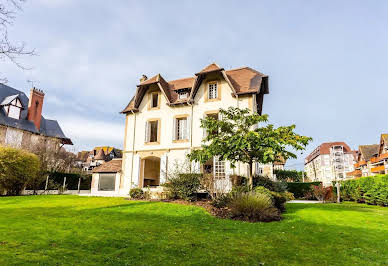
column 182, row 95
column 219, row 168
column 212, row 91
column 259, row 169
column 152, row 131
column 154, row 100
column 107, row 182
column 181, row 128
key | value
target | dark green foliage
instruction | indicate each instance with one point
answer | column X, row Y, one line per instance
column 269, row 184
column 184, row 186
column 234, row 138
column 222, row 200
column 56, row 181
column 289, row 175
column 300, row 189
column 372, row 190
column 136, row 193
column 17, row 169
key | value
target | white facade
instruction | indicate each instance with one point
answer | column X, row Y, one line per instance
column 331, row 166
column 149, row 157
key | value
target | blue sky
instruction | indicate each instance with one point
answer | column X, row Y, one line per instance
column 327, row 60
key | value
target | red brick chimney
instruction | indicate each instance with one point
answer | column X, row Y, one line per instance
column 35, row 106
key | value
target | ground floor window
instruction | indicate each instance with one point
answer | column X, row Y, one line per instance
column 107, row 182
column 219, row 168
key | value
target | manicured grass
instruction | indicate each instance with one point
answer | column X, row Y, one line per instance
column 95, row 231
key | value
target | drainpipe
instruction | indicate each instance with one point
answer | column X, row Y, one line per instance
column 191, row 130
column 133, row 144
column 238, row 106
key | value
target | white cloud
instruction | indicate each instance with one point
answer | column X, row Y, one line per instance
column 87, row 133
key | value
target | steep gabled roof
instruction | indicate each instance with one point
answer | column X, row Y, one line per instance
column 244, row 80
column 100, row 155
column 368, row 151
column 49, row 128
column 7, row 100
column 210, row 68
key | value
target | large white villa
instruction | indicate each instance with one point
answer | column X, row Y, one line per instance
column 163, row 125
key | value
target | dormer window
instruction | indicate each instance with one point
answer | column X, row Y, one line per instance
column 183, row 94
column 213, row 91
column 12, row 106
column 154, row 100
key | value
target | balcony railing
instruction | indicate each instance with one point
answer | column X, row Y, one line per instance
column 378, row 169
column 379, row 158
column 355, row 173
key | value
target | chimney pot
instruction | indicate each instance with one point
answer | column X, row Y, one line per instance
column 143, row 78
column 35, row 106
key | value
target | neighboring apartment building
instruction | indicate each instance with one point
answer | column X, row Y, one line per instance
column 163, row 123
column 22, row 124
column 87, row 160
column 329, row 162
column 372, row 159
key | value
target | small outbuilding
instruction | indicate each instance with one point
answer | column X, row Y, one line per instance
column 106, row 179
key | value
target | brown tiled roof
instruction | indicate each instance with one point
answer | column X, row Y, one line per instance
column 369, row 151
column 324, row 148
column 82, row 156
column 100, row 155
column 210, row 68
column 244, row 80
column 112, row 166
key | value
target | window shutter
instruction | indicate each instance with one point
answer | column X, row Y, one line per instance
column 163, row 169
column 174, row 129
column 147, row 132
column 188, row 127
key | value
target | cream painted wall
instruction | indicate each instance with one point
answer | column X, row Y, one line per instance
column 134, row 143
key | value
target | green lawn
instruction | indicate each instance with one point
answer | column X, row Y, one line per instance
column 89, row 230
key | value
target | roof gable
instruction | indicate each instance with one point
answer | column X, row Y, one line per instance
column 243, row 80
column 368, row 151
column 49, row 128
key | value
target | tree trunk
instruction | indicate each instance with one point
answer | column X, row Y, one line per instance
column 338, row 192
column 250, row 175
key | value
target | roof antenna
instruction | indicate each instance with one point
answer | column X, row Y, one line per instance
column 31, row 82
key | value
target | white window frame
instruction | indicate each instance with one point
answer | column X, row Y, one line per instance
column 148, row 131
column 181, row 124
column 218, row 168
column 212, row 90
column 182, row 95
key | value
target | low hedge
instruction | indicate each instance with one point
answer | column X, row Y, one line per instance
column 300, row 189
column 56, row 181
column 371, row 190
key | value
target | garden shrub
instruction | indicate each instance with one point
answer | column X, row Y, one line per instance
column 222, row 200
column 324, row 194
column 136, row 193
column 254, row 206
column 371, row 190
column 302, row 189
column 269, row 184
column 289, row 175
column 183, row 186
column 17, row 168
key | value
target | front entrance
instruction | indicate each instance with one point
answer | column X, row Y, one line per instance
column 150, row 172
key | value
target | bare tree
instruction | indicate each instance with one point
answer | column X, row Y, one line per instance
column 8, row 50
